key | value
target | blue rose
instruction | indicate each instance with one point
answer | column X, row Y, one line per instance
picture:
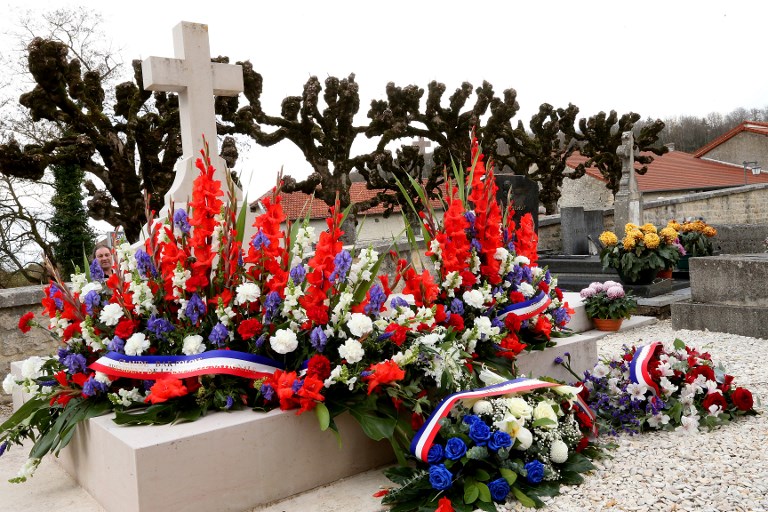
column 535, row 471
column 455, row 448
column 499, row 490
column 499, row 440
column 439, row 477
column 471, row 419
column 480, row 433
column 435, row 454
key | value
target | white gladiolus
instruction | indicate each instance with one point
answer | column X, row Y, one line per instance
column 284, row 341
column 193, row 345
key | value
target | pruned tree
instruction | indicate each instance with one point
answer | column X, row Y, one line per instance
column 600, row 135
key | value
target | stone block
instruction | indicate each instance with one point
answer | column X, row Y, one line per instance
column 579, row 322
column 730, row 279
column 541, row 363
column 574, row 230
column 734, row 319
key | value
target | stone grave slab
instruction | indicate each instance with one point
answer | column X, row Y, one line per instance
column 522, row 192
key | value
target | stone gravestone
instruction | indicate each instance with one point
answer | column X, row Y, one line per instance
column 628, row 205
column 523, row 194
column 573, row 230
column 196, row 80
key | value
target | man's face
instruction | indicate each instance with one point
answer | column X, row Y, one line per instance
column 104, row 257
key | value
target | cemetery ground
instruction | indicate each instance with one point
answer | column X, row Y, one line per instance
column 721, row 470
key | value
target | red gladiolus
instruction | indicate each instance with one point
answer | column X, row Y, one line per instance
column 742, row 399
column 309, row 394
column 383, row 373
column 381, row 493
column 25, row 322
column 165, row 389
column 526, row 240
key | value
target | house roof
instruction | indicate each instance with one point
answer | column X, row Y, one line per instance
column 296, row 204
column 746, row 126
column 678, row 170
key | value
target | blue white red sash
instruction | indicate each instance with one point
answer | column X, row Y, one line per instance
column 638, row 368
column 425, row 437
column 228, row 362
column 527, row 309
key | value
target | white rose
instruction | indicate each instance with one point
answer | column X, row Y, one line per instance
column 544, row 410
column 352, row 351
column 193, row 345
column 9, row 384
column 474, row 298
column 524, row 439
column 111, row 314
column 247, row 292
column 558, row 452
column 359, row 324
column 569, row 392
column 518, row 407
column 283, row 341
column 136, row 344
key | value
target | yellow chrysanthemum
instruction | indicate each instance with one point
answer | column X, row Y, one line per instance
column 629, row 243
column 608, row 238
column 668, row 234
column 709, row 231
column 630, row 227
column 637, row 234
column 674, row 225
column 651, row 240
column 648, row 228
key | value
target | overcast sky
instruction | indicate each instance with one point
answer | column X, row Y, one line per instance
column 657, row 58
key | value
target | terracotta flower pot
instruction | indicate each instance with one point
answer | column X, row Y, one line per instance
column 607, row 324
column 664, row 274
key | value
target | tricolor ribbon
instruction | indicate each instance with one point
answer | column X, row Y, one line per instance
column 638, row 368
column 228, row 362
column 425, row 437
column 527, row 309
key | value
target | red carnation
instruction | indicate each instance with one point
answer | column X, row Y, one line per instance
column 742, row 399
column 165, row 389
column 319, row 366
column 714, row 399
column 383, row 373
column 706, row 371
column 25, row 322
column 249, row 328
column 125, row 328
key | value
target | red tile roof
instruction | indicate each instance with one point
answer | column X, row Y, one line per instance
column 678, row 170
column 296, row 204
column 746, row 126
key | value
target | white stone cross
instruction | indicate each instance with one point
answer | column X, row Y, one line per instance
column 422, row 144
column 196, row 80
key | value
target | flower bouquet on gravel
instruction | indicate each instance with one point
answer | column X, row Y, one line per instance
column 664, row 386
column 512, row 440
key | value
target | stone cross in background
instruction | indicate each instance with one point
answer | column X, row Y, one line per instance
column 422, row 144
column 628, row 205
column 196, row 80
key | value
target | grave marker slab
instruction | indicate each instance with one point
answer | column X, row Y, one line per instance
column 522, row 192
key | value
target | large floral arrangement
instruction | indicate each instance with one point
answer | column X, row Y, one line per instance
column 607, row 300
column 663, row 386
column 298, row 325
column 519, row 444
column 696, row 237
column 644, row 249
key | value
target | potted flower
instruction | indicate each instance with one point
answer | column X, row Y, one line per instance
column 696, row 238
column 642, row 253
column 607, row 304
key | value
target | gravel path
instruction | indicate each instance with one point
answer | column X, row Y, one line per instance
column 722, row 470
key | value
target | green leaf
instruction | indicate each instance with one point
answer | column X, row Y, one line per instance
column 323, row 416
column 481, row 475
column 486, row 507
column 471, row 492
column 485, row 492
column 570, row 477
column 679, row 344
column 25, row 411
column 375, row 427
column 578, row 463
column 522, row 498
column 508, row 475
column 543, row 422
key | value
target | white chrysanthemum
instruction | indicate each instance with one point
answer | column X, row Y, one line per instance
column 92, row 286
column 544, row 410
column 31, row 367
column 359, row 324
column 9, row 384
column 526, row 289
column 352, row 351
column 484, row 327
column 558, row 452
column 522, row 260
column 283, row 341
column 136, row 344
column 524, row 439
column 111, row 314
column 482, row 407
column 78, row 281
column 193, row 345
column 247, row 292
column 474, row 298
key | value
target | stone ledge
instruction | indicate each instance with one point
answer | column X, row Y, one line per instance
column 733, row 319
column 23, row 296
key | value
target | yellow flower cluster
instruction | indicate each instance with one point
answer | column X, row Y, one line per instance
column 709, row 231
column 698, row 226
column 608, row 238
column 630, row 227
column 668, row 234
column 651, row 240
column 648, row 228
column 674, row 225
column 637, row 234
column 629, row 242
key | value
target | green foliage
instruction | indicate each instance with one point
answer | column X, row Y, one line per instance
column 70, row 220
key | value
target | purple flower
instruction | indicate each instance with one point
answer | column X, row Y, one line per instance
column 342, row 263
column 195, row 308
column 535, row 471
column 558, row 360
column 75, row 363
column 470, row 216
column 260, row 340
column 230, row 402
column 318, row 339
column 457, row 307
column 377, row 297
column 615, row 292
column 561, row 316
column 3, row 447
column 181, row 221
column 267, row 391
column 271, row 305
column 159, row 326
column 260, row 240
column 398, row 302
column 298, row 273
column 92, row 300
column 94, row 387
column 116, row 344
column 144, row 264
column 96, row 271
column 219, row 334
column 296, row 386
column 475, row 244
